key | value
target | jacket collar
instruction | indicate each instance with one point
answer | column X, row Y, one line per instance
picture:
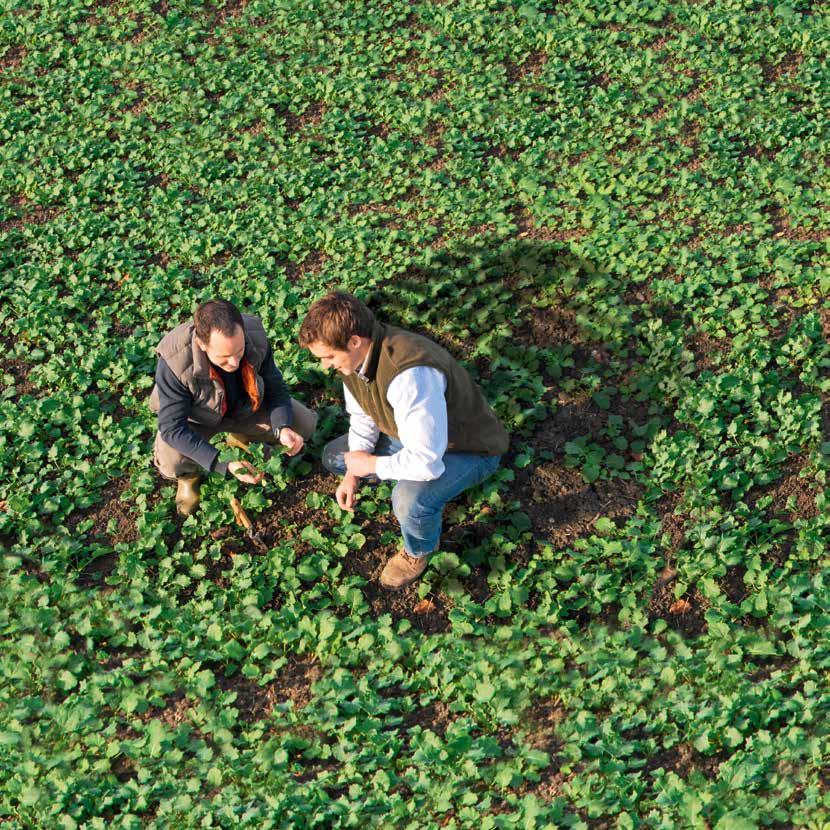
column 369, row 369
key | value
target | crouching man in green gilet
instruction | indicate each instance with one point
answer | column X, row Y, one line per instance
column 416, row 417
column 216, row 374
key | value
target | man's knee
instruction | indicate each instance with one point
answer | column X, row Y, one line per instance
column 333, row 455
column 408, row 501
column 169, row 462
column 305, row 419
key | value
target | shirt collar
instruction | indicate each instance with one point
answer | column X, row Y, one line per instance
column 361, row 372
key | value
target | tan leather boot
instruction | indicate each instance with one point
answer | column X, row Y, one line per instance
column 402, row 569
column 187, row 494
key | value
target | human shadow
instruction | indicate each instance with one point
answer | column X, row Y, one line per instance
column 553, row 340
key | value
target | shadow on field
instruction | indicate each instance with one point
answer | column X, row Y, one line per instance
column 556, row 329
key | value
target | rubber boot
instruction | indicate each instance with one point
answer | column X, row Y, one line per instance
column 187, row 495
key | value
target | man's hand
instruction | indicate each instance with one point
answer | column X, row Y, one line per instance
column 293, row 441
column 245, row 472
column 360, row 463
column 345, row 493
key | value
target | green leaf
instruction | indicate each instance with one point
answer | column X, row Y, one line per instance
column 485, row 691
column 735, row 821
column 604, row 525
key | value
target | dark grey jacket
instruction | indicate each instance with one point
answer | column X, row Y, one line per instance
column 189, row 390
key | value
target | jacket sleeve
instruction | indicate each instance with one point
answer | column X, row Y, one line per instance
column 175, row 404
column 277, row 400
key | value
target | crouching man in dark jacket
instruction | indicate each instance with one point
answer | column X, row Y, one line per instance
column 217, row 374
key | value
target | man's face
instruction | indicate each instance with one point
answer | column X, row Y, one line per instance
column 223, row 351
column 346, row 361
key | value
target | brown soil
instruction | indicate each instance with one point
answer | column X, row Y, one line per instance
column 575, row 417
column 562, row 507
column 94, row 572
column 289, row 507
column 786, row 67
column 684, row 759
column 733, row 584
column 294, row 683
column 554, row 326
column 708, row 352
column 229, row 10
column 312, row 116
column 19, row 370
column 671, row 525
column 534, row 63
column 684, row 614
column 311, row 265
column 545, row 716
column 123, row 769
column 434, row 716
column 13, row 57
column 172, row 714
column 109, row 507
column 40, row 215
column 802, row 492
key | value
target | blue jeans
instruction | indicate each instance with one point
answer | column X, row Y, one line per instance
column 418, row 505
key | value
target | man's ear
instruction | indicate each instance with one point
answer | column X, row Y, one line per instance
column 355, row 342
column 199, row 343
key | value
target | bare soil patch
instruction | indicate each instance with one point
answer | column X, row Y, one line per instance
column 289, row 506
column 173, row 713
column 110, row 507
column 787, row 66
column 554, row 326
column 708, row 352
column 672, row 525
column 311, row 265
column 434, row 716
column 793, row 497
column 13, row 57
column 310, row 117
column 683, row 759
column 684, row 614
column 40, row 215
column 19, row 370
column 533, row 64
column 294, row 683
column 563, row 507
column 545, row 716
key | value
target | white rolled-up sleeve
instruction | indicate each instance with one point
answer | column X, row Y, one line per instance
column 418, row 399
column 363, row 431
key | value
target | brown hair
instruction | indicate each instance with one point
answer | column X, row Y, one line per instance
column 333, row 319
column 216, row 315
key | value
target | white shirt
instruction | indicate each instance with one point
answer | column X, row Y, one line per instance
column 416, row 396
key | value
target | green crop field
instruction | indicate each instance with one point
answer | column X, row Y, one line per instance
column 617, row 215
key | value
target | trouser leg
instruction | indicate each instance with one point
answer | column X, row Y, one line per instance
column 334, row 452
column 257, row 426
column 170, row 463
column 419, row 505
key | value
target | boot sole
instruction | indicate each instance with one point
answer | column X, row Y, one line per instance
column 402, row 585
